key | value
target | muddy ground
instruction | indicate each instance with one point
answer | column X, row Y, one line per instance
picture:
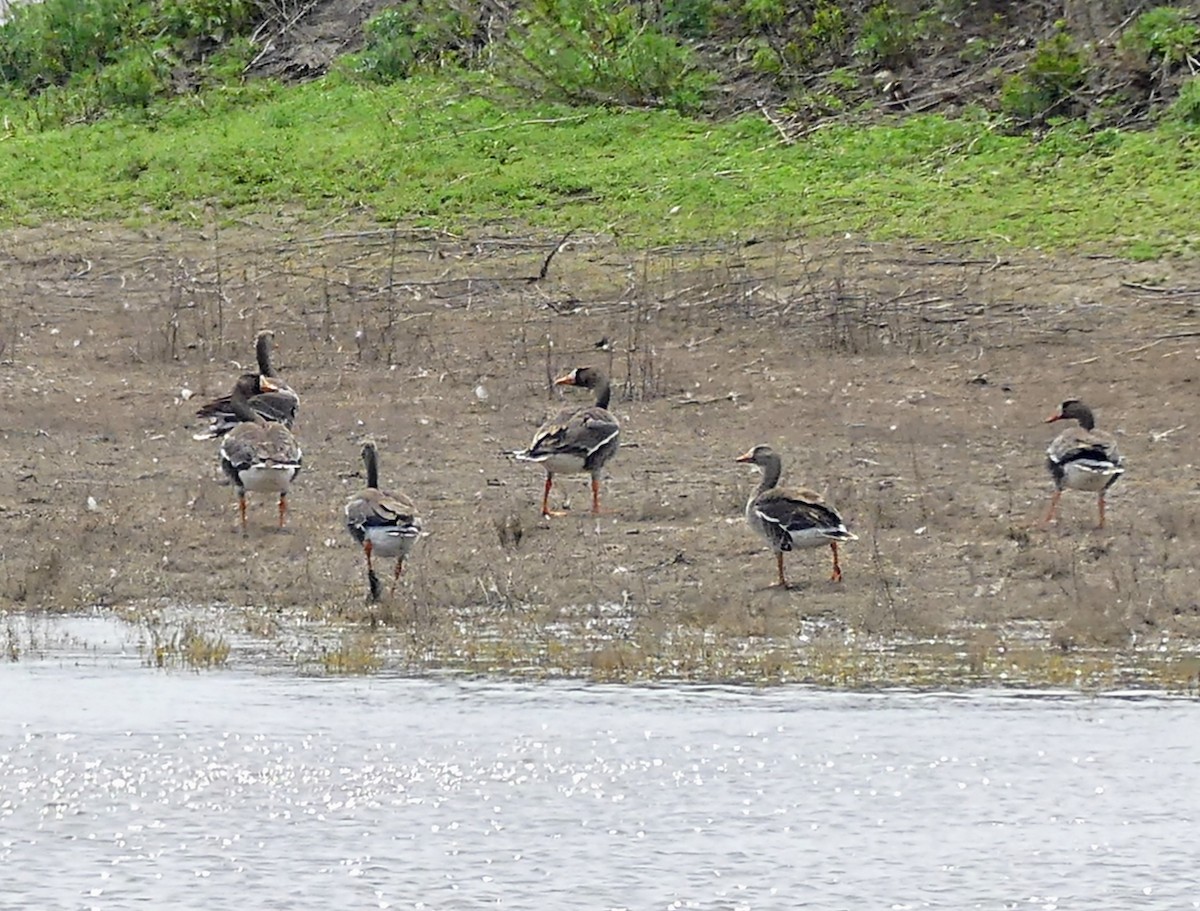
column 907, row 383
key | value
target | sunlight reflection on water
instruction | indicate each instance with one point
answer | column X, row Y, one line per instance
column 120, row 786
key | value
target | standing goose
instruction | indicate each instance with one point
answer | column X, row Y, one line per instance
column 576, row 439
column 1081, row 457
column 258, row 454
column 279, row 404
column 384, row 523
column 793, row 518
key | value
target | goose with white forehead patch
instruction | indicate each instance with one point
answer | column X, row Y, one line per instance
column 576, row 440
column 385, row 524
column 791, row 518
column 280, row 403
column 1081, row 457
column 258, row 454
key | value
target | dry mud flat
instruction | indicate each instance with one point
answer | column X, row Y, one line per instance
column 908, row 384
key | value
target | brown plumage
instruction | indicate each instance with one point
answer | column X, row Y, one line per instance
column 576, row 439
column 257, row 454
column 791, row 518
column 279, row 403
column 1081, row 457
column 384, row 523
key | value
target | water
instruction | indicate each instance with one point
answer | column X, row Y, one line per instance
column 122, row 786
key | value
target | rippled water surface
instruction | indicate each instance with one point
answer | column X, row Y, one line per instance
column 125, row 787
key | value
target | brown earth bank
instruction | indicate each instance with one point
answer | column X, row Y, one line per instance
column 909, row 384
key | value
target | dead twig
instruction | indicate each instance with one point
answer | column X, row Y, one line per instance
column 779, row 127
column 542, row 272
column 1161, row 435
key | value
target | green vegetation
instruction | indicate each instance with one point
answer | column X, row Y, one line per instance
column 433, row 152
column 77, row 59
column 1163, row 38
column 410, row 36
column 596, row 114
column 1048, row 84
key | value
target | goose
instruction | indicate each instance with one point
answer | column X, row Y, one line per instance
column 279, row 404
column 791, row 518
column 576, row 439
column 1081, row 457
column 258, row 454
column 384, row 523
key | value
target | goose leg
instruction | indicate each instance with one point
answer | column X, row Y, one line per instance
column 242, row 509
column 1101, row 525
column 372, row 579
column 547, row 512
column 282, row 509
column 779, row 566
column 595, row 496
column 1053, row 506
column 396, row 576
column 837, row 570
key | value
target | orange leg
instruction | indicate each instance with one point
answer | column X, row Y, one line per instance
column 1053, row 506
column 242, row 509
column 367, row 548
column 779, row 565
column 595, row 497
column 282, row 508
column 396, row 576
column 837, row 569
column 547, row 512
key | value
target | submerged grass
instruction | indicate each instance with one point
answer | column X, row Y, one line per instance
column 444, row 154
column 481, row 641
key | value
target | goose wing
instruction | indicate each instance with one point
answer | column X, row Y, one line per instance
column 279, row 446
column 242, row 447
column 788, row 514
column 575, row 432
column 373, row 508
column 280, row 406
column 1076, row 444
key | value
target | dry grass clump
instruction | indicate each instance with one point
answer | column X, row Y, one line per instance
column 187, row 647
column 356, row 653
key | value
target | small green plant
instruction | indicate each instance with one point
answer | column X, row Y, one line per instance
column 787, row 45
column 1056, row 71
column 1164, row 37
column 976, row 50
column 413, row 34
column 766, row 60
column 228, row 64
column 212, row 21
column 134, row 80
column 887, row 36
column 602, row 51
column 763, row 13
column 1186, row 108
column 689, row 18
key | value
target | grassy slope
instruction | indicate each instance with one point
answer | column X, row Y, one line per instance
column 434, row 153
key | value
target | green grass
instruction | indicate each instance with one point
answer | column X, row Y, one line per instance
column 439, row 153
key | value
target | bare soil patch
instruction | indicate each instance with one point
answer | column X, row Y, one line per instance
column 908, row 384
